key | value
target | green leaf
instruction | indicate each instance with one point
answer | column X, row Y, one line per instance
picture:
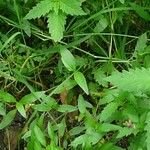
column 21, row 109
column 37, row 145
column 133, row 80
column 108, row 111
column 52, row 134
column 72, row 8
column 107, row 127
column 32, row 97
column 2, row 109
column 122, row 1
column 56, row 25
column 141, row 43
column 67, row 108
column 66, row 85
column 68, row 59
column 85, row 139
column 147, row 129
column 76, row 130
column 39, row 135
column 81, row 104
column 100, row 76
column 6, row 97
column 41, row 9
column 140, row 11
column 46, row 106
column 62, row 128
column 125, row 132
column 7, row 119
column 81, row 81
column 101, row 25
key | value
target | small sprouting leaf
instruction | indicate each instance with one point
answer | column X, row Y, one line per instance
column 81, row 104
column 39, row 135
column 56, row 25
column 8, row 119
column 68, row 59
column 67, row 108
column 6, row 97
column 39, row 10
column 81, row 81
column 21, row 109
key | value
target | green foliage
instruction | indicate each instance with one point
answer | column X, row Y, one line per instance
column 76, row 76
column 57, row 12
column 133, row 80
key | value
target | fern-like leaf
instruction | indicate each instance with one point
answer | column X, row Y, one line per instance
column 40, row 9
column 147, row 128
column 56, row 23
column 137, row 80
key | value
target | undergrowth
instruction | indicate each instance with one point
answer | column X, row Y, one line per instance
column 75, row 75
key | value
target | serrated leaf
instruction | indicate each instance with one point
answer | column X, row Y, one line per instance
column 107, row 127
column 108, row 111
column 92, row 138
column 100, row 76
column 6, row 97
column 56, row 25
column 67, row 108
column 41, row 9
column 141, row 43
column 7, row 119
column 39, row 135
column 21, row 109
column 72, row 8
column 81, row 81
column 81, row 104
column 133, row 80
column 68, row 59
column 125, row 132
